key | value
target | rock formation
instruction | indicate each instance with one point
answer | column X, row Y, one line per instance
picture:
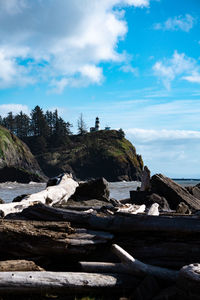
column 97, row 154
column 16, row 161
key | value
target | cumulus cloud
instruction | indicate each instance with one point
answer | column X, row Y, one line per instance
column 179, row 65
column 171, row 152
column 184, row 23
column 150, row 135
column 60, row 41
column 14, row 108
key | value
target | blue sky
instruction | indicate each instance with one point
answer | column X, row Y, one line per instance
column 133, row 63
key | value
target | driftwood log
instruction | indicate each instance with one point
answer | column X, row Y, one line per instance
column 63, row 283
column 25, row 239
column 158, row 240
column 119, row 223
column 129, row 265
column 49, row 196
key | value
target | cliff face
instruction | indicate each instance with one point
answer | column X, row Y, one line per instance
column 98, row 154
column 16, row 161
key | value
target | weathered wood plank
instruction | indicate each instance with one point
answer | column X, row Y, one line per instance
column 26, row 238
column 117, row 223
column 61, row 282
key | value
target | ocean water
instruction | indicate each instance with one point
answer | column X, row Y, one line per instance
column 118, row 190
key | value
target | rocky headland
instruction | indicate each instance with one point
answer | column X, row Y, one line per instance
column 97, row 154
column 17, row 163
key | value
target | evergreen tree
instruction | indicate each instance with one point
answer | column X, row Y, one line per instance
column 50, row 121
column 121, row 133
column 22, row 122
column 82, row 127
column 39, row 125
column 9, row 122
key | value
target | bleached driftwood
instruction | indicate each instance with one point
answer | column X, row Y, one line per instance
column 49, row 196
column 61, row 282
column 153, row 211
column 132, row 209
column 104, row 267
column 139, row 268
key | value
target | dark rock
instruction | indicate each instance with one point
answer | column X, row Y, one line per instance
column 183, row 208
column 54, row 180
column 173, row 192
column 139, row 197
column 155, row 198
column 92, row 189
column 2, row 201
column 19, row 175
column 145, row 181
column 19, row 198
column 194, row 190
column 16, row 161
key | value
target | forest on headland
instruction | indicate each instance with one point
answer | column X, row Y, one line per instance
column 43, row 130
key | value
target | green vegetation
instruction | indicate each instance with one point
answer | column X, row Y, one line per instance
column 16, row 160
column 102, row 153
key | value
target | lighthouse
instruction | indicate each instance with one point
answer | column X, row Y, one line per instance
column 96, row 128
column 97, row 124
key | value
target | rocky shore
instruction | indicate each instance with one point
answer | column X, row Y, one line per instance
column 72, row 240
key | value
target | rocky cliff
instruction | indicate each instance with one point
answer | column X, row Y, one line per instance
column 16, row 161
column 98, row 154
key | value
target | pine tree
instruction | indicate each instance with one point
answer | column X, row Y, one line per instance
column 22, row 122
column 9, row 122
column 39, row 125
column 82, row 127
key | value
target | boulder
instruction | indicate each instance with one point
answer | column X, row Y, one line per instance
column 148, row 198
column 145, row 180
column 20, row 198
column 173, row 192
column 92, row 189
column 155, row 198
column 194, row 190
column 183, row 208
column 2, row 201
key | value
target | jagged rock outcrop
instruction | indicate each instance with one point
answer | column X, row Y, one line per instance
column 98, row 154
column 16, row 161
column 173, row 192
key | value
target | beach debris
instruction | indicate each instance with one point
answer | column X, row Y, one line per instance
column 131, row 208
column 153, row 211
column 51, row 195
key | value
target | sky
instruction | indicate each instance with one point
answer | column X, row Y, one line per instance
column 133, row 63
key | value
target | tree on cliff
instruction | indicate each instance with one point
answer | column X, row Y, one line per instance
column 9, row 122
column 38, row 124
column 82, row 127
column 22, row 122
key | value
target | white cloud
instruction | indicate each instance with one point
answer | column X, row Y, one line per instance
column 179, row 65
column 150, row 135
column 174, row 153
column 129, row 69
column 184, row 23
column 14, row 108
column 195, row 77
column 61, row 41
